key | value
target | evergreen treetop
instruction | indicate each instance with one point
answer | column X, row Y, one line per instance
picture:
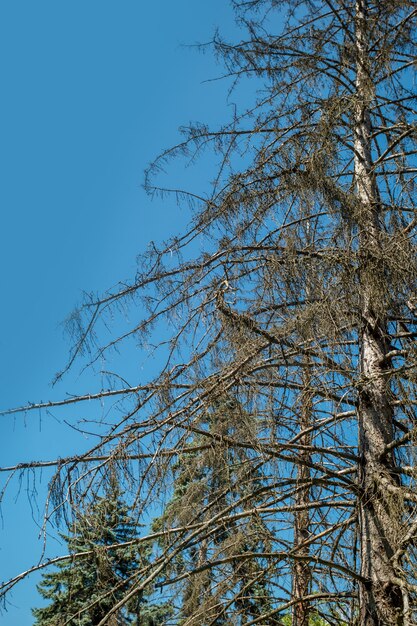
column 102, row 564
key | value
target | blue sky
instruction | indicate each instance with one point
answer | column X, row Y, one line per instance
column 92, row 90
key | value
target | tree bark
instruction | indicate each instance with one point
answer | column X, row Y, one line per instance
column 381, row 602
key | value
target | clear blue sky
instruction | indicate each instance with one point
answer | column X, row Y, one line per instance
column 91, row 90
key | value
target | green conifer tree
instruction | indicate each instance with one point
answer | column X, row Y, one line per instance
column 83, row 589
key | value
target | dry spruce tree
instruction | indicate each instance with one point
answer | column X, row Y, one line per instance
column 275, row 446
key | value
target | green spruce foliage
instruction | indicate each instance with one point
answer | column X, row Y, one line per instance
column 82, row 589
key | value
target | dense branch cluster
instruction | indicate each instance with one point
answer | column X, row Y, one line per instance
column 275, row 447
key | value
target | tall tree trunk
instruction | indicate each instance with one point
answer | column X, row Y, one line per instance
column 301, row 571
column 381, row 602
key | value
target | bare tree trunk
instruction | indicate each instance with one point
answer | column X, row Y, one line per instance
column 301, row 571
column 381, row 602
